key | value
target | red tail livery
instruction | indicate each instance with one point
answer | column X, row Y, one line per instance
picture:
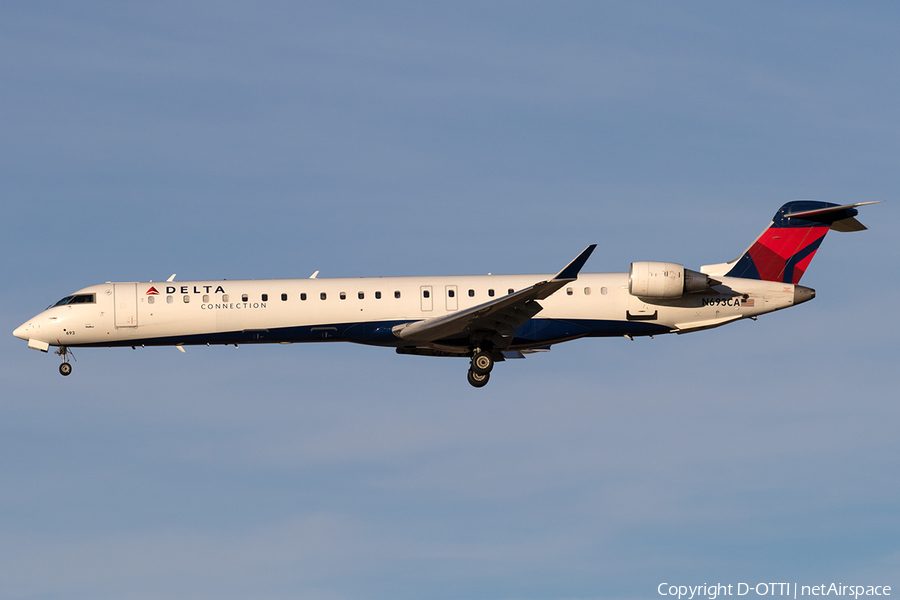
column 784, row 250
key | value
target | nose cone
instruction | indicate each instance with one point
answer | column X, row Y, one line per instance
column 802, row 294
column 31, row 329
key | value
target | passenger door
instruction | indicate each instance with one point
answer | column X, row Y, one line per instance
column 126, row 305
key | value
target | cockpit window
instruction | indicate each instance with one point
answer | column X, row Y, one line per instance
column 78, row 299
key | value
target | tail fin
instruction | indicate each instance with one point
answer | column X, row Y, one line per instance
column 784, row 250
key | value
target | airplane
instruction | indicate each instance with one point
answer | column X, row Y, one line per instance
column 486, row 318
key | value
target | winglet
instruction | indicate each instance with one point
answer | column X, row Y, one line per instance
column 570, row 272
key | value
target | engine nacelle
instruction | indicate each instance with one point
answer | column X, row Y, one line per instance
column 651, row 279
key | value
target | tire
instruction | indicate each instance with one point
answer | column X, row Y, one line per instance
column 65, row 369
column 478, row 379
column 482, row 363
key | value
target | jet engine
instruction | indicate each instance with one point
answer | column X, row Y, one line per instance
column 651, row 279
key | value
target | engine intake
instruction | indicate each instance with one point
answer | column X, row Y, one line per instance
column 649, row 279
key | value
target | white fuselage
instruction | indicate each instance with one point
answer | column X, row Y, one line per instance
column 365, row 310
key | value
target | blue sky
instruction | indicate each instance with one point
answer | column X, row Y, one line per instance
column 257, row 140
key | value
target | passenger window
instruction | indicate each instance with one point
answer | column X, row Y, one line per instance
column 244, row 297
column 343, row 295
column 284, row 297
column 322, row 296
column 224, row 297
column 568, row 291
column 205, row 298
column 187, row 299
column 451, row 293
column 265, row 297
column 397, row 294
column 378, row 295
column 491, row 293
column 426, row 294
column 603, row 290
column 303, row 296
column 471, row 293
column 151, row 299
column 510, row 291
column 587, row 291
column 169, row 300
column 362, row 295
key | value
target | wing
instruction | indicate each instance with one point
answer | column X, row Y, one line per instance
column 496, row 320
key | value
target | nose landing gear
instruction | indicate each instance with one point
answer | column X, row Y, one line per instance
column 65, row 369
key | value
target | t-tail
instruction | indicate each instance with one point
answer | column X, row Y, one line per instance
column 784, row 250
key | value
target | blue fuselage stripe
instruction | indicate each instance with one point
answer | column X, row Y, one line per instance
column 537, row 332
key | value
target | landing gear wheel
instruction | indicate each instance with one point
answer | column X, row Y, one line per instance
column 65, row 369
column 482, row 363
column 478, row 379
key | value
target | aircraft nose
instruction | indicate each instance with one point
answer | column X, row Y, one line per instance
column 20, row 331
column 29, row 329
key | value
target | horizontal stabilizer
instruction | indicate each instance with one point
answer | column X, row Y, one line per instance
column 837, row 217
column 816, row 214
column 848, row 225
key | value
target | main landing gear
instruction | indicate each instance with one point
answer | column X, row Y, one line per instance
column 476, row 380
column 480, row 368
column 65, row 369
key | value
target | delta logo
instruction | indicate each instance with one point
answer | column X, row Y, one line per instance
column 171, row 289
